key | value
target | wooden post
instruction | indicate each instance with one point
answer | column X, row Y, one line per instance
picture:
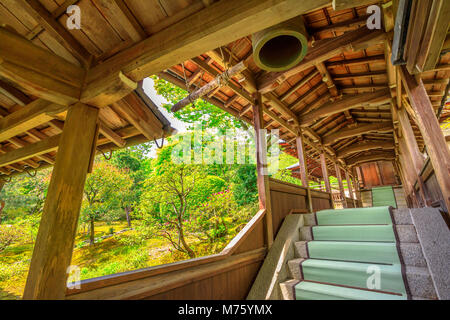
column 407, row 172
column 410, row 140
column 303, row 169
column 350, row 188
column 356, row 186
column 433, row 137
column 261, row 167
column 55, row 240
column 341, row 186
column 326, row 179
column 360, row 178
column 415, row 156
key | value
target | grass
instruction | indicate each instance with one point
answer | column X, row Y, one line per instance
column 108, row 256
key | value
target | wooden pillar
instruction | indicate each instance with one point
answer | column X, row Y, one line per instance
column 407, row 173
column 410, row 140
column 356, row 186
column 415, row 156
column 52, row 252
column 360, row 177
column 341, row 186
column 261, row 168
column 349, row 184
column 304, row 170
column 433, row 137
column 326, row 179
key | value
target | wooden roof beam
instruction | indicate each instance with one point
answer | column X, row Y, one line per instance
column 30, row 150
column 352, row 76
column 58, row 31
column 111, row 135
column 347, row 4
column 359, row 129
column 346, row 103
column 31, row 116
column 25, row 64
column 356, row 62
column 299, row 84
column 139, row 116
column 370, row 158
column 364, row 146
column 14, row 94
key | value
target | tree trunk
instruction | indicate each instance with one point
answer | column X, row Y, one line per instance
column 92, row 234
column 189, row 251
column 127, row 212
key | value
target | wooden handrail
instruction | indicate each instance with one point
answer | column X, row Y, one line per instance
column 99, row 282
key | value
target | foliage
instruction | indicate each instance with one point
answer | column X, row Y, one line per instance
column 8, row 235
column 25, row 195
column 167, row 200
column 245, row 189
column 104, row 190
column 213, row 218
column 200, row 112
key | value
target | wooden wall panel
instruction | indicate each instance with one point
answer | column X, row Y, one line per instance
column 282, row 204
column 232, row 285
column 372, row 174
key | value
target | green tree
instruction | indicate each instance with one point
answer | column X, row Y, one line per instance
column 167, row 200
column 136, row 162
column 25, row 195
column 201, row 112
column 245, row 188
column 103, row 191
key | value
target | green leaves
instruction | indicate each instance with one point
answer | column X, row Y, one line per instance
column 201, row 112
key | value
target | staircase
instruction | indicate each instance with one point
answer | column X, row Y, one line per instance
column 363, row 253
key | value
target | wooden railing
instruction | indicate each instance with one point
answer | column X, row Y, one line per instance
column 226, row 275
column 286, row 196
column 242, row 256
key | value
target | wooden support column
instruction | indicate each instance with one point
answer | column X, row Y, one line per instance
column 409, row 175
column 356, row 186
column 55, row 240
column 341, row 186
column 303, row 169
column 410, row 139
column 326, row 179
column 433, row 137
column 261, row 168
column 349, row 186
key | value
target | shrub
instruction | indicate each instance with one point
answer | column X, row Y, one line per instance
column 212, row 219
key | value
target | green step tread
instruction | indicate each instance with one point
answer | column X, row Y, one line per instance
column 379, row 233
column 383, row 196
column 354, row 274
column 375, row 215
column 317, row 291
column 374, row 252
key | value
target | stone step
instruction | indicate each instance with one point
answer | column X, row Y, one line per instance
column 309, row 219
column 287, row 289
column 418, row 278
column 402, row 216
